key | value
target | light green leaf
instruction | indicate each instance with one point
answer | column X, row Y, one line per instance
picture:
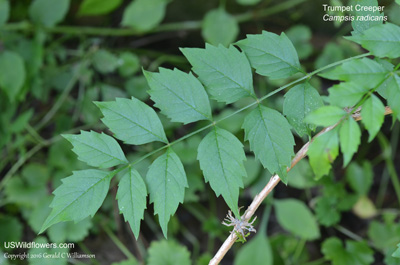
column 12, row 74
column 126, row 262
column 225, row 72
column 323, row 151
column 98, row 150
column 363, row 72
column 98, row 7
column 131, row 198
column 4, row 11
column 331, row 53
column 166, row 181
column 360, row 25
column 10, row 229
column 382, row 40
column 271, row 55
column 396, row 254
column 270, row 139
column 144, row 15
column 304, row 225
column 373, row 115
column 48, row 12
column 132, row 121
column 69, row 231
column 393, row 95
column 130, row 64
column 384, row 235
column 355, row 253
column 360, row 177
column 257, row 252
column 349, row 136
column 325, row 116
column 63, row 260
column 219, row 27
column 168, row 252
column 248, row 2
column 180, row 96
column 221, row 157
column 300, row 36
column 299, row 101
column 79, row 196
column 346, row 94
column 105, row 62
column 301, row 176
column 326, row 211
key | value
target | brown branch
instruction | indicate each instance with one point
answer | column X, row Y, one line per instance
column 259, row 198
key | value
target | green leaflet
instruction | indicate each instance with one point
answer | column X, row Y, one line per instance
column 12, row 74
column 360, row 26
column 248, row 2
column 323, row 151
column 180, row 96
column 219, row 27
column 355, row 253
column 79, row 196
column 166, row 181
column 48, row 12
column 98, row 7
column 168, row 252
column 257, row 250
column 270, row 139
column 143, row 15
column 373, row 115
column 299, row 101
column 393, row 95
column 325, row 116
column 304, row 225
column 360, row 178
column 105, row 62
column 396, row 254
column 49, row 252
column 131, row 198
column 349, row 135
column 98, row 150
column 363, row 72
column 132, row 121
column 346, row 94
column 4, row 11
column 271, row 55
column 225, row 72
column 382, row 40
column 221, row 157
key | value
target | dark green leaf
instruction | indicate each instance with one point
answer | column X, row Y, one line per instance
column 4, row 11
column 257, row 252
column 301, row 176
column 325, row 116
column 355, row 253
column 48, row 12
column 346, row 94
column 299, row 101
column 384, row 235
column 143, row 15
column 393, row 95
column 219, row 27
column 304, row 225
column 12, row 74
column 166, row 181
column 225, row 72
column 98, row 7
column 396, row 254
column 131, row 198
column 360, row 177
column 270, row 139
column 373, row 115
column 349, row 136
column 132, row 121
column 221, row 157
column 271, row 55
column 326, row 211
column 180, row 96
column 10, row 229
column 168, row 253
column 79, row 196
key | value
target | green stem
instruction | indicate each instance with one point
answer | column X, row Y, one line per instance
column 87, row 251
column 118, row 243
column 299, row 249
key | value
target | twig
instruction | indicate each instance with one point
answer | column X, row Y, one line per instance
column 259, row 198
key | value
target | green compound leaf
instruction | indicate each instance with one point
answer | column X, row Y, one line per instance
column 98, row 7
column 304, row 225
column 360, row 26
column 48, row 12
column 346, row 94
column 271, row 55
column 12, row 74
column 350, row 136
column 270, row 139
column 144, row 15
column 132, row 121
column 382, row 40
column 98, row 150
column 225, row 72
column 221, row 157
column 257, row 250
column 219, row 27
column 166, row 181
column 373, row 115
column 299, row 101
column 168, row 252
column 180, row 96
column 393, row 95
column 131, row 198
column 4, row 11
column 323, row 151
column 79, row 196
column 355, row 253
column 325, row 116
column 363, row 72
